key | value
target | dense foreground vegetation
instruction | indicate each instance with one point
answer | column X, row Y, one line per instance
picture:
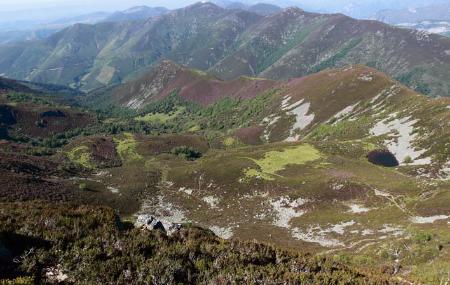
column 87, row 245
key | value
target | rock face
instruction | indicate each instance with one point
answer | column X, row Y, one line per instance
column 150, row 223
column 383, row 158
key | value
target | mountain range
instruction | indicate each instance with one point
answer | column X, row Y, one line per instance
column 231, row 43
column 433, row 19
column 344, row 163
column 12, row 33
column 238, row 145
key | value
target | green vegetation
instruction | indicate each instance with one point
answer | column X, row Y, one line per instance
column 331, row 62
column 160, row 117
column 81, row 156
column 91, row 246
column 83, row 186
column 408, row 160
column 187, row 153
column 414, row 79
column 343, row 130
column 24, row 97
column 275, row 161
column 126, row 147
column 275, row 54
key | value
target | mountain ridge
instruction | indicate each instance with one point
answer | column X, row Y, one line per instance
column 291, row 48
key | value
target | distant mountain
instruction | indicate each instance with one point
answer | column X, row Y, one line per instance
column 433, row 19
column 415, row 15
column 193, row 85
column 43, row 30
column 230, row 44
column 136, row 13
column 432, row 27
column 264, row 9
column 10, row 85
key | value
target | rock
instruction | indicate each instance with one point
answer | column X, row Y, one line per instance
column 174, row 228
column 150, row 223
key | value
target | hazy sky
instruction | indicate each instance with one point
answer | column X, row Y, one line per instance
column 62, row 8
column 122, row 4
column 88, row 4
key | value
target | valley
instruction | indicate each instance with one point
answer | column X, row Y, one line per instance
column 207, row 145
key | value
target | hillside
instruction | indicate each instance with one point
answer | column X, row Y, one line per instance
column 193, row 85
column 103, row 249
column 230, row 44
column 136, row 13
column 346, row 164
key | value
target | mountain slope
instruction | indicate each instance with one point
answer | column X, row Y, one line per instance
column 313, row 106
column 296, row 43
column 231, row 43
column 192, row 85
column 298, row 163
column 302, row 165
column 113, row 251
column 136, row 13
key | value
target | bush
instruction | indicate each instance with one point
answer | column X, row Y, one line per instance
column 83, row 186
column 408, row 160
column 186, row 152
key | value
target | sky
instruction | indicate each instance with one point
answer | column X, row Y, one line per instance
column 36, row 9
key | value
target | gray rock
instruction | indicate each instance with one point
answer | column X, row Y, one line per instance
column 150, row 223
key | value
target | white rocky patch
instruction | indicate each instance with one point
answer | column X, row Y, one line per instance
column 401, row 139
column 357, row 209
column 285, row 210
column 103, row 173
column 269, row 121
column 345, row 112
column 312, row 236
column 300, row 111
column 337, row 186
column 164, row 211
column 56, row 274
column 316, row 234
column 366, row 77
column 135, row 103
column 390, row 229
column 428, row 220
column 186, row 190
column 340, row 228
column 225, row 233
column 294, row 105
column 367, row 232
column 421, row 35
column 446, row 171
column 211, row 201
column 285, row 102
column 374, row 99
column 114, row 190
column 386, row 93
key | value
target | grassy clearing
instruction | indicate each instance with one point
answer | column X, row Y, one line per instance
column 160, row 117
column 81, row 156
column 275, row 161
column 126, row 148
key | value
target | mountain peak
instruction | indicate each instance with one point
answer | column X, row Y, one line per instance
column 293, row 11
column 203, row 5
column 135, row 9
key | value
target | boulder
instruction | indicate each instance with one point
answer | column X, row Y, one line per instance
column 150, row 223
